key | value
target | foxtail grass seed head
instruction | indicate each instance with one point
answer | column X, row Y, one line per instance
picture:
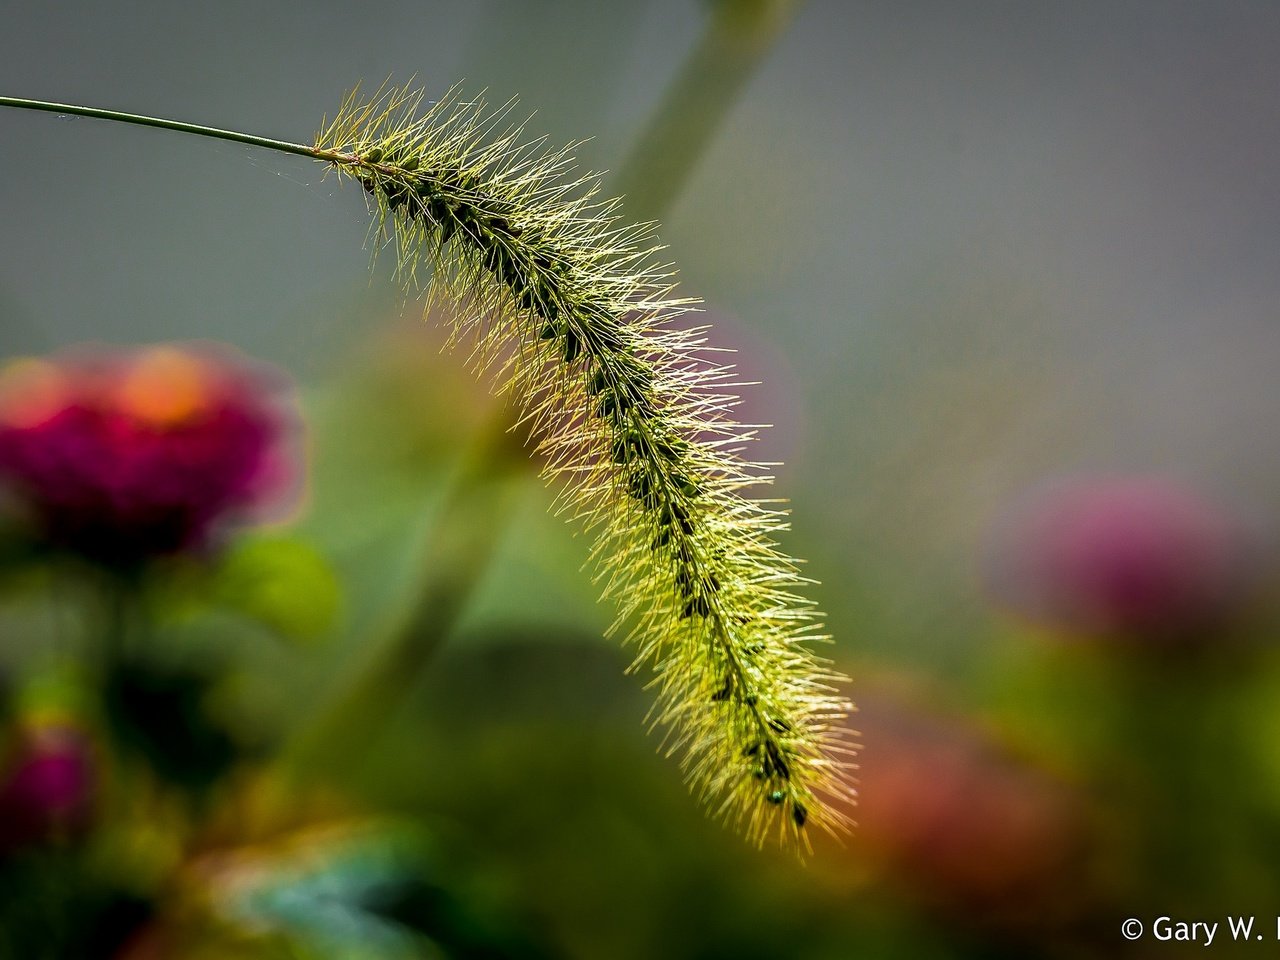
column 574, row 312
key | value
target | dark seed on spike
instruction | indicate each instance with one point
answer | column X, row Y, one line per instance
column 698, row 605
column 640, row 486
column 572, row 346
column 610, row 340
column 606, row 337
column 775, row 760
column 624, row 445
column 665, row 519
column 799, row 814
column 397, row 194
column 495, row 259
column 464, row 211
column 671, row 447
column 684, row 581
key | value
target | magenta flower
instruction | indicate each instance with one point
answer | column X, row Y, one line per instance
column 48, row 785
column 1133, row 556
column 119, row 458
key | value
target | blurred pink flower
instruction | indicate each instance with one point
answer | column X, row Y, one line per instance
column 770, row 391
column 120, row 457
column 1132, row 556
column 47, row 786
column 968, row 829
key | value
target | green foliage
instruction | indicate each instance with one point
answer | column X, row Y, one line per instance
column 284, row 584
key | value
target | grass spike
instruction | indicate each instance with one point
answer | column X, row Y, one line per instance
column 575, row 313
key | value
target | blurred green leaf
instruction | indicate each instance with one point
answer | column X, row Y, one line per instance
column 284, row 584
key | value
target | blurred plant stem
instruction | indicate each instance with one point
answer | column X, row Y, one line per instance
column 738, row 38
column 473, row 517
column 1182, row 761
column 122, row 613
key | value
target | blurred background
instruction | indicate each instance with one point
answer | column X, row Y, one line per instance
column 1007, row 274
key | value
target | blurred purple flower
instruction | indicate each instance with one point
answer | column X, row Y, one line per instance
column 47, row 787
column 1132, row 556
column 121, row 457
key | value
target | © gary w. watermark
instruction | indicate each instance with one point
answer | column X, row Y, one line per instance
column 1204, row 932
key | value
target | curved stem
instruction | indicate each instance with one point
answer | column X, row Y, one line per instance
column 97, row 113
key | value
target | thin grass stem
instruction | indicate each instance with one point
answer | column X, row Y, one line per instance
column 199, row 130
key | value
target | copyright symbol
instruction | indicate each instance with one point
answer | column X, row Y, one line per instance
column 1132, row 929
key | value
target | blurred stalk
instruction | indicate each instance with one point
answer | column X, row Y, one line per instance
column 115, row 624
column 739, row 37
column 1183, row 776
column 123, row 614
column 473, row 517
